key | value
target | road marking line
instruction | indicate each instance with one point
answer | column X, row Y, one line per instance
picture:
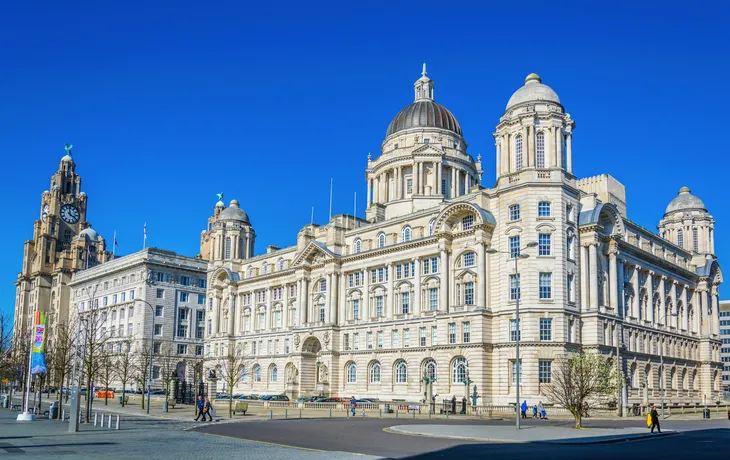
column 263, row 442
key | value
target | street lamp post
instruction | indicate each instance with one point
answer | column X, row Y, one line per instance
column 661, row 364
column 152, row 344
column 517, row 256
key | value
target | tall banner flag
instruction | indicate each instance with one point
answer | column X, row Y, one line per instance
column 38, row 359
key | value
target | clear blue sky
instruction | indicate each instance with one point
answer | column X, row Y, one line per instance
column 168, row 103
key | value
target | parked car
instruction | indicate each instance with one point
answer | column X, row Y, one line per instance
column 249, row 397
column 157, row 392
column 222, row 396
column 275, row 398
column 105, row 394
column 328, row 400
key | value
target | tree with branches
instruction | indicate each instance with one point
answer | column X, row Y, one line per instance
column 18, row 363
column 231, row 365
column 124, row 366
column 581, row 381
column 6, row 342
column 141, row 366
column 168, row 364
column 62, row 347
column 94, row 338
column 106, row 372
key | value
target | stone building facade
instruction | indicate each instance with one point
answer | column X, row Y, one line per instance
column 63, row 243
column 725, row 350
column 152, row 288
column 371, row 307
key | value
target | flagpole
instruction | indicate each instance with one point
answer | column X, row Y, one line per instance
column 114, row 244
column 311, row 221
column 144, row 241
column 27, row 384
column 354, row 208
column 330, row 198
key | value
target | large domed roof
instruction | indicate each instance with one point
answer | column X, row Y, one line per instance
column 424, row 112
column 533, row 90
column 234, row 212
column 89, row 233
column 685, row 201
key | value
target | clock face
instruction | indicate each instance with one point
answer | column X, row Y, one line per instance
column 70, row 214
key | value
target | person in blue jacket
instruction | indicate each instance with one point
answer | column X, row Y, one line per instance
column 523, row 409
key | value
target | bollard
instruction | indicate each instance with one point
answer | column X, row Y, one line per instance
column 414, row 414
column 117, row 422
column 95, row 416
column 300, row 413
column 380, row 413
column 363, row 413
column 109, row 425
column 330, row 413
column 429, row 414
column 286, row 413
column 396, row 413
column 271, row 415
column 63, row 415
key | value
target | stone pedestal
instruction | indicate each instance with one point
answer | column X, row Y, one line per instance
column 212, row 388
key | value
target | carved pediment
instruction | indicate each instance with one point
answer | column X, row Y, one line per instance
column 314, row 254
column 428, row 149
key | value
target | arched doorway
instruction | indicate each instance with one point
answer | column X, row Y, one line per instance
column 309, row 378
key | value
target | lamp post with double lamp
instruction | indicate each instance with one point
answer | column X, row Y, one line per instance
column 661, row 363
column 152, row 344
column 516, row 255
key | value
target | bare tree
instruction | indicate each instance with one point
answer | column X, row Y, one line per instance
column 141, row 366
column 105, row 372
column 6, row 342
column 124, row 367
column 168, row 364
column 580, row 381
column 94, row 338
column 231, row 364
column 62, row 348
column 18, row 363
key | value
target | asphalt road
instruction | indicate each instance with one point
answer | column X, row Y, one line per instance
column 366, row 436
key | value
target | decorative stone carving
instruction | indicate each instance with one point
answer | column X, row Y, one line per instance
column 292, row 374
column 326, row 338
column 297, row 340
column 323, row 374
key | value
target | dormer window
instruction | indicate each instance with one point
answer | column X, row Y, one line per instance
column 467, row 222
column 426, row 140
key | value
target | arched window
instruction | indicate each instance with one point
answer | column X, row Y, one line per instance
column 381, row 239
column 244, row 374
column 257, row 373
column 406, row 234
column 352, row 373
column 459, row 370
column 228, row 247
column 468, row 260
column 265, row 268
column 401, row 372
column 357, row 246
column 569, row 242
column 280, row 264
column 249, row 272
column 429, row 369
column 518, row 152
column 430, row 226
column 680, row 238
column 695, row 240
column 322, row 311
column 375, row 373
column 540, row 150
column 273, row 374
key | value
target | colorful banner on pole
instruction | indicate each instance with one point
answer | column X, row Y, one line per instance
column 38, row 359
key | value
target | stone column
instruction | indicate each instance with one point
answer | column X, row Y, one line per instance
column 714, row 317
column 481, row 282
column 341, row 316
column 685, row 308
column 444, row 288
column 557, row 143
column 673, row 295
column 584, row 276
column 397, row 195
column 370, row 181
column 417, row 289
column 217, row 309
column 620, row 281
column 365, row 300
column 389, row 297
column 305, row 302
column 635, row 305
column 434, row 190
column 453, row 183
column 498, row 145
column 593, row 278
column 613, row 281
column 231, row 313
column 458, row 183
column 650, row 293
column 525, row 147
column 569, row 151
column 662, row 302
column 530, row 146
column 333, row 298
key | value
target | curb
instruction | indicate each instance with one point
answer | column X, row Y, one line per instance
column 568, row 442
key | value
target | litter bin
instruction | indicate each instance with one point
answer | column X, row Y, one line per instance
column 53, row 411
column 706, row 413
column 4, row 402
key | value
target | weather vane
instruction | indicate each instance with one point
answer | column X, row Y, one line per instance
column 220, row 196
column 68, row 148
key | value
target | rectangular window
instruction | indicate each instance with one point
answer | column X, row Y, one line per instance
column 356, row 309
column 406, row 338
column 394, row 339
column 569, row 213
column 286, row 345
column 543, row 241
column 514, row 333
column 569, row 240
column 571, row 288
column 160, row 293
column 201, row 299
column 369, row 340
column 202, row 284
column 514, row 212
column 379, row 306
column 467, row 222
column 434, row 335
column 130, row 329
column 545, row 371
column 159, row 310
column 131, row 294
column 155, row 372
column 469, row 293
column 467, row 331
column 469, row 259
column 253, row 348
column 422, row 337
column 346, row 341
column 198, row 350
column 322, row 312
column 514, row 246
column 543, row 209
column 433, row 299
column 106, row 301
column 262, row 320
column 514, row 287
column 184, row 296
column 405, row 302
column 277, row 318
column 452, row 333
column 380, row 339
column 182, row 330
column 546, row 286
column 156, row 348
column 546, row 329
column 409, row 186
column 124, row 296
column 160, row 277
column 514, row 371
column 183, row 314
column 182, row 349
column 356, row 341
column 158, row 329
column 114, row 299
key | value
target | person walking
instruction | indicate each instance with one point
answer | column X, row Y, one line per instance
column 655, row 420
column 353, row 405
column 523, row 409
column 534, row 411
column 200, row 405
column 207, row 410
column 540, row 410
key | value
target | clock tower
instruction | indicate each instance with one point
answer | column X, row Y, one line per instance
column 63, row 243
